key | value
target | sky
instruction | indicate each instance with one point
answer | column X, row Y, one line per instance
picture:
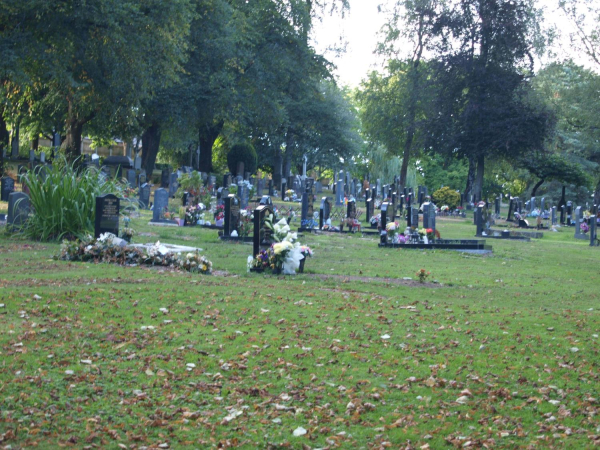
column 359, row 29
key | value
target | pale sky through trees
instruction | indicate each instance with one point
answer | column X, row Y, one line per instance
column 360, row 27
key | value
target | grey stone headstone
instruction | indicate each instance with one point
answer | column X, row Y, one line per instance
column 554, row 218
column 144, row 196
column 578, row 221
column 532, row 204
column 164, row 178
column 243, row 193
column 131, row 178
column 260, row 185
column 593, row 226
column 107, row 215
column 161, row 202
column 378, row 188
column 497, row 206
column 7, row 186
column 18, row 209
column 318, row 187
column 271, row 189
column 543, row 204
column 266, row 200
column 137, row 163
column 428, row 215
column 31, row 155
column 43, row 157
column 339, row 199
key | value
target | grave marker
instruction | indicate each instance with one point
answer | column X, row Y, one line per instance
column 107, row 215
column 161, row 203
column 232, row 214
column 7, row 186
column 18, row 209
column 144, row 196
column 324, row 211
column 262, row 234
column 131, row 178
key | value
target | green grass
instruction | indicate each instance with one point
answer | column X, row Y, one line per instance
column 303, row 351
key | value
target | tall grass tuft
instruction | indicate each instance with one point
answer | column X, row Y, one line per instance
column 63, row 203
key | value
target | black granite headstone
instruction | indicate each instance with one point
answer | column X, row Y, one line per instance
column 232, row 214
column 164, row 178
column 107, row 215
column 262, row 234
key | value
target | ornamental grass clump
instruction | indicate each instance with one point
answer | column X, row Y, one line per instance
column 63, row 200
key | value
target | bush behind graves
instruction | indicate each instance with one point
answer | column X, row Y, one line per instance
column 63, row 200
column 242, row 152
column 446, row 196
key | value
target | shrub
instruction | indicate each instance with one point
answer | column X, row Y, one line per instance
column 446, row 196
column 243, row 152
column 64, row 203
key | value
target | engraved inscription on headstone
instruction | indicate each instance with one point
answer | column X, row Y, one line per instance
column 107, row 215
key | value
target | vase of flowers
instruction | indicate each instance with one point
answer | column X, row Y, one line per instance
column 306, row 253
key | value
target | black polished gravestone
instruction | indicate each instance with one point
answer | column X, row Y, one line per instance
column 144, row 198
column 18, row 209
column 232, row 214
column 185, row 198
column 271, row 189
column 497, row 206
column 369, row 206
column 413, row 215
column 384, row 217
column 7, row 186
column 262, row 233
column 428, row 215
column 107, row 215
column 324, row 212
column 161, row 204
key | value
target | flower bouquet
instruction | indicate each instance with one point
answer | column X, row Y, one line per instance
column 584, row 227
column 127, row 233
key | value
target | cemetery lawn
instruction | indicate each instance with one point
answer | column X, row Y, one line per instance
column 501, row 352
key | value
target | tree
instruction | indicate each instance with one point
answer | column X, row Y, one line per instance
column 484, row 106
column 553, row 167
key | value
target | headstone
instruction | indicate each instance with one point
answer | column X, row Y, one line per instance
column 161, row 202
column 532, row 204
column 339, row 198
column 262, row 234
column 107, row 215
column 511, row 209
column 137, row 163
column 247, row 176
column 554, row 218
column 378, row 188
column 305, row 214
column 43, row 157
column 369, row 206
column 7, row 186
column 232, row 214
column 543, row 204
column 479, row 221
column 569, row 213
column 185, row 198
column 578, row 221
column 240, row 169
column 173, row 185
column 318, row 187
column 131, row 178
column 497, row 206
column 351, row 210
column 283, row 188
column 31, row 156
column 394, row 196
column 260, row 185
column 144, row 196
column 142, row 178
column 244, row 194
column 414, row 217
column 324, row 211
column 428, row 215
column 384, row 215
column 18, row 209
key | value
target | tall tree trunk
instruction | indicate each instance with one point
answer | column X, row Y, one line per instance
column 597, row 194
column 4, row 139
column 35, row 143
column 277, row 168
column 74, row 128
column 537, row 185
column 478, row 185
column 470, row 178
column 150, row 146
column 207, row 135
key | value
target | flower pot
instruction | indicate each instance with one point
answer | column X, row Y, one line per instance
column 301, row 268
